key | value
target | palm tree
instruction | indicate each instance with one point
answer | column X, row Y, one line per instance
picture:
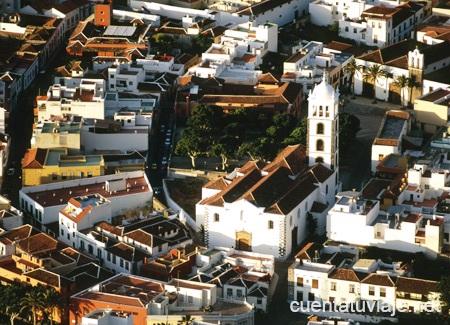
column 412, row 83
column 372, row 74
column 351, row 68
column 33, row 301
column 401, row 82
column 186, row 320
column 52, row 301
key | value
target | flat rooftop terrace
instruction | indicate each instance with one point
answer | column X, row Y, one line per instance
column 392, row 128
column 60, row 196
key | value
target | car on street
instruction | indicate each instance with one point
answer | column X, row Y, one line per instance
column 11, row 171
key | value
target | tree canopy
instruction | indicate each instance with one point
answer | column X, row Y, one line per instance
column 209, row 132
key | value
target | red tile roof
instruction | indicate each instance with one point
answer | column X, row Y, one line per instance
column 379, row 280
column 418, row 286
column 345, row 275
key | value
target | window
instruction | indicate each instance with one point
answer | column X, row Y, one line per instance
column 130, row 83
column 371, row 291
column 333, row 286
column 446, row 236
column 181, row 298
column 108, row 257
column 127, row 266
column 114, row 259
column 319, row 128
column 216, row 217
column 190, row 299
column 354, row 30
column 239, row 293
column 379, row 24
column 380, row 157
column 346, row 29
column 121, row 262
column 54, row 176
column 375, row 38
column 319, row 145
column 99, row 253
column 270, row 226
column 351, row 288
column 299, row 282
column 259, row 301
column 229, row 292
column 68, row 236
column 315, row 284
column 62, row 232
column 64, row 176
column 382, row 292
column 427, row 186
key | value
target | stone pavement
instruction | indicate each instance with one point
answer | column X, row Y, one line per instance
column 362, row 105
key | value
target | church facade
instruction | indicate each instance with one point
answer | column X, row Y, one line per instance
column 267, row 207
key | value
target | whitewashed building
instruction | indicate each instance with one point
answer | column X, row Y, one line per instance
column 126, row 191
column 280, row 194
column 410, row 227
column 335, row 274
column 83, row 97
column 394, row 126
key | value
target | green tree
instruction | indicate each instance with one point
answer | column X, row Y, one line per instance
column 33, row 301
column 443, row 288
column 401, row 82
column 373, row 73
column 349, row 125
column 197, row 137
column 351, row 69
column 53, row 301
column 225, row 148
column 193, row 143
column 186, row 320
column 411, row 84
column 201, row 43
column 264, row 148
column 283, row 125
column 163, row 42
column 10, row 296
column 334, row 27
column 298, row 135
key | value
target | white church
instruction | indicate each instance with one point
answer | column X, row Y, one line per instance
column 264, row 207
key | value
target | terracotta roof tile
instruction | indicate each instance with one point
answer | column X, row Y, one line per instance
column 34, row 158
column 413, row 285
column 379, row 280
column 345, row 275
column 308, row 252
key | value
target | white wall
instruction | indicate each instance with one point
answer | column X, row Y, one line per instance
column 92, row 142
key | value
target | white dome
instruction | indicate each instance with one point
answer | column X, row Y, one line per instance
column 323, row 91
